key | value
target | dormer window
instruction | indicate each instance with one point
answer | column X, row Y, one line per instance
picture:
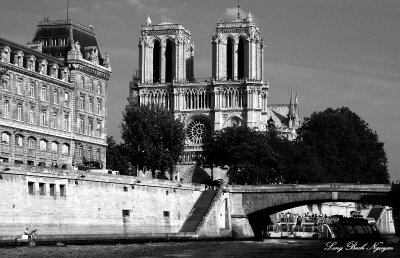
column 64, row 74
column 54, row 71
column 18, row 58
column 43, row 67
column 31, row 63
column 5, row 54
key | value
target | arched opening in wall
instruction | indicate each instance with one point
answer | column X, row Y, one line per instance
column 195, row 175
column 168, row 61
column 229, row 59
column 156, row 61
column 240, row 53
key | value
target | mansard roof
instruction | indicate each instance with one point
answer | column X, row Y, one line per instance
column 68, row 30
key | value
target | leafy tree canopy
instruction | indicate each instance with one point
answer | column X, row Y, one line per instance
column 248, row 155
column 116, row 158
column 343, row 148
column 154, row 140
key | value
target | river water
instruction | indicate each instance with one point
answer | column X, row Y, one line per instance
column 209, row 249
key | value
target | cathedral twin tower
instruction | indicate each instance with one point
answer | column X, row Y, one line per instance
column 166, row 52
column 235, row 95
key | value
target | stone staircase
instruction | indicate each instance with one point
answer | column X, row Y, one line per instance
column 199, row 211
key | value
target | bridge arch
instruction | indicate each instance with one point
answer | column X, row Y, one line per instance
column 255, row 203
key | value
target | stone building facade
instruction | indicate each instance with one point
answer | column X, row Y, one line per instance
column 53, row 97
column 236, row 94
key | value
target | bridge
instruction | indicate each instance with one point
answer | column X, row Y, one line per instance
column 252, row 205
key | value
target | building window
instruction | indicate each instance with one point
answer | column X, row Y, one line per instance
column 43, row 145
column 42, row 188
column 125, row 213
column 54, row 147
column 43, row 118
column 31, row 116
column 66, row 98
column 90, row 127
column 79, row 151
column 63, row 191
column 55, row 96
column 6, row 109
column 91, row 86
column 43, row 94
column 98, row 106
column 166, row 214
column 91, row 105
column 98, row 129
column 80, row 122
column 31, row 143
column 125, row 189
column 98, row 155
column 18, row 140
column 52, row 189
column 55, row 120
column 65, row 149
column 19, row 86
column 31, row 187
column 54, row 42
column 5, row 138
column 66, row 122
column 19, row 112
column 99, row 88
column 81, row 102
column 32, row 90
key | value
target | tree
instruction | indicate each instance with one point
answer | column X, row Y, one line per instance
column 247, row 154
column 153, row 139
column 116, row 158
column 343, row 147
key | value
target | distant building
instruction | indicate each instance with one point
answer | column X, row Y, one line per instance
column 53, row 97
column 235, row 94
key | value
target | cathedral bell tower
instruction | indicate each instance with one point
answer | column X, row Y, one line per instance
column 237, row 50
column 165, row 53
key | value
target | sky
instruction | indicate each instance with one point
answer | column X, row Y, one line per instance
column 333, row 53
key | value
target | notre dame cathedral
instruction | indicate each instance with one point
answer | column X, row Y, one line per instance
column 236, row 93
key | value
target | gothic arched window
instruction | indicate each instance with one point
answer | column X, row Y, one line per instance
column 169, row 62
column 229, row 59
column 240, row 59
column 156, row 61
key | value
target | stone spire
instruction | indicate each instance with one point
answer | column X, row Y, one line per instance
column 249, row 17
column 148, row 21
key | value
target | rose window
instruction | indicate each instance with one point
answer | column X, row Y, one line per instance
column 196, row 131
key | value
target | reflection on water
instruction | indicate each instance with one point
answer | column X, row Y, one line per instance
column 205, row 249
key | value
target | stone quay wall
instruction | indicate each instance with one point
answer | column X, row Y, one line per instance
column 68, row 202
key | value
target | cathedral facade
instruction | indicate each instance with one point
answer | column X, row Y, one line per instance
column 53, row 97
column 234, row 95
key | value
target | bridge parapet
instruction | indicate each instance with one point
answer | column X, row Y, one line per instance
column 331, row 187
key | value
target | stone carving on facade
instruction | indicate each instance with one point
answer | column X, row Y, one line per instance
column 106, row 60
column 92, row 54
column 224, row 116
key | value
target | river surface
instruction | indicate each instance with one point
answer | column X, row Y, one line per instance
column 209, row 249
